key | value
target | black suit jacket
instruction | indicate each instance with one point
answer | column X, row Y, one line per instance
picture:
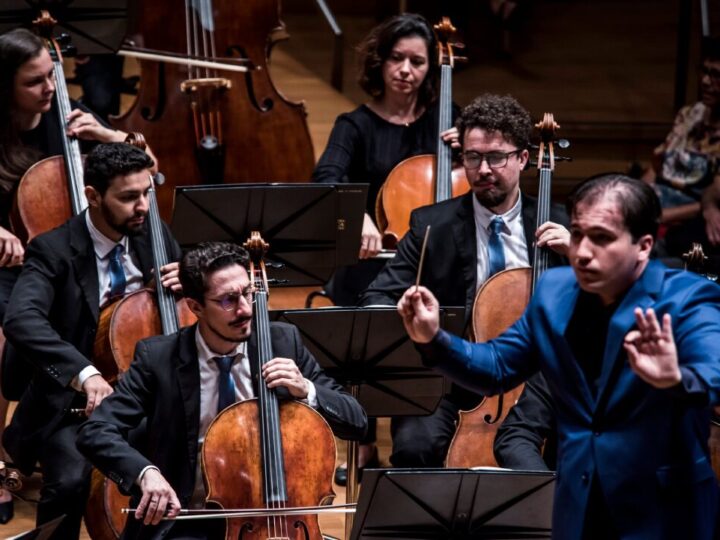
column 450, row 268
column 163, row 385
column 51, row 321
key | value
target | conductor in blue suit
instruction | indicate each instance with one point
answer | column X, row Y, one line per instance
column 631, row 353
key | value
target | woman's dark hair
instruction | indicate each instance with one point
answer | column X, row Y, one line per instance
column 109, row 160
column 638, row 203
column 16, row 47
column 208, row 257
column 375, row 49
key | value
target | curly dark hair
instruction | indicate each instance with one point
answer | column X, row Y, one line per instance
column 375, row 49
column 203, row 260
column 106, row 161
column 16, row 48
column 491, row 112
column 637, row 201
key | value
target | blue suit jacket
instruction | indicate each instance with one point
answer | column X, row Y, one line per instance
column 648, row 446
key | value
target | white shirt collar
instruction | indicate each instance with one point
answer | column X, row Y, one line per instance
column 483, row 216
column 102, row 244
column 205, row 353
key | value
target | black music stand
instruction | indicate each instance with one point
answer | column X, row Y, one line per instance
column 456, row 504
column 43, row 532
column 311, row 228
column 369, row 351
column 94, row 26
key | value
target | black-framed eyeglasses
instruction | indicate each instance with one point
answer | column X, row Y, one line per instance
column 230, row 301
column 495, row 160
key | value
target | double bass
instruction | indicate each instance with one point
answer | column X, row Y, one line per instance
column 426, row 179
column 264, row 454
column 500, row 302
column 139, row 315
column 207, row 125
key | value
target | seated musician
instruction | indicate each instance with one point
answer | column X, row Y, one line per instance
column 472, row 237
column 177, row 384
column 628, row 348
column 400, row 73
column 69, row 274
column 30, row 130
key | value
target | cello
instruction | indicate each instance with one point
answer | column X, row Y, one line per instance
column 139, row 315
column 225, row 126
column 500, row 302
column 421, row 180
column 54, row 184
column 262, row 454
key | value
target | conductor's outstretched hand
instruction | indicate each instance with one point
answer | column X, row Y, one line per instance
column 651, row 350
column 420, row 314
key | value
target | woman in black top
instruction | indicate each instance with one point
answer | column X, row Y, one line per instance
column 399, row 71
column 30, row 131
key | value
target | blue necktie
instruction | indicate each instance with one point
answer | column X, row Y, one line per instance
column 117, row 273
column 496, row 253
column 226, row 385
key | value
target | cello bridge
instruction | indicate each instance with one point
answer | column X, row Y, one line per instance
column 192, row 85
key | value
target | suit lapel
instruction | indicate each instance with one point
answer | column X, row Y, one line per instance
column 188, row 373
column 529, row 220
column 84, row 263
column 466, row 245
column 642, row 294
column 143, row 250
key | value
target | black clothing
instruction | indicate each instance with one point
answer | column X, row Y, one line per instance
column 527, row 438
column 163, row 385
column 51, row 321
column 364, row 148
column 46, row 137
column 586, row 334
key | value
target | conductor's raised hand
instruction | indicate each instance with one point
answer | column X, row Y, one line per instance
column 420, row 313
column 651, row 350
column 157, row 497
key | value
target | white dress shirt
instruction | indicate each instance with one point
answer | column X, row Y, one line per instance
column 512, row 236
column 102, row 246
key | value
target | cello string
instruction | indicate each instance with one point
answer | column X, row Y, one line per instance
column 187, row 36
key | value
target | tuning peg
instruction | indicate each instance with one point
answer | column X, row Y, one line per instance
column 563, row 143
column 563, row 158
column 63, row 39
column 461, row 59
column 458, row 45
column 69, row 51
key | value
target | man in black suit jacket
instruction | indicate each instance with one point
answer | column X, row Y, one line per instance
column 495, row 135
column 175, row 385
column 52, row 319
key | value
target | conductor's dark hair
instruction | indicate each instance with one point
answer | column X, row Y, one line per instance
column 637, row 201
column 377, row 46
column 107, row 161
column 200, row 262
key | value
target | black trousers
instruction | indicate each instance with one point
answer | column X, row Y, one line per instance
column 423, row 441
column 66, row 481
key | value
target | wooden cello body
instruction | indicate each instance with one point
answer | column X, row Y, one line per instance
column 211, row 126
column 500, row 302
column 121, row 325
column 262, row 454
column 426, row 179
